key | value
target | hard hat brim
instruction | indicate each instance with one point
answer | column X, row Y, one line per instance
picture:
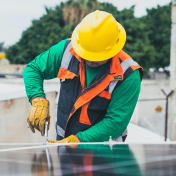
column 99, row 56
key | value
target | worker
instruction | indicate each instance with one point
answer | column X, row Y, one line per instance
column 100, row 83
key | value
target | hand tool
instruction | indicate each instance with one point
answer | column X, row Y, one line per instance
column 46, row 132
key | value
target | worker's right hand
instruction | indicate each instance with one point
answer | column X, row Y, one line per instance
column 70, row 139
column 39, row 114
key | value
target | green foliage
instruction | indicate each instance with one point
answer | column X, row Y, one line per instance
column 158, row 23
column 148, row 37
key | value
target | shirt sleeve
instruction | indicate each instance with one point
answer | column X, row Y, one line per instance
column 44, row 66
column 119, row 112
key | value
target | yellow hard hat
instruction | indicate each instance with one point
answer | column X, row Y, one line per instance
column 98, row 37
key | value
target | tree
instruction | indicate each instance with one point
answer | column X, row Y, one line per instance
column 158, row 22
column 148, row 37
column 75, row 10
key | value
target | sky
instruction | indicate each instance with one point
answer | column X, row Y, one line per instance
column 16, row 15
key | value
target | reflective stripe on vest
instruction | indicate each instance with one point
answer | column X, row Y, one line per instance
column 66, row 57
column 125, row 65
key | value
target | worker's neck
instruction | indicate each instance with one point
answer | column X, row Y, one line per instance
column 95, row 65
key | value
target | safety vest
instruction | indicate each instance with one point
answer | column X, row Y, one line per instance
column 79, row 108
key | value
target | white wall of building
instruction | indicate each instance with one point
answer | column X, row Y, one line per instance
column 145, row 114
column 13, row 121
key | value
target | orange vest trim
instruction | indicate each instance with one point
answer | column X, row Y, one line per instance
column 82, row 75
column 84, row 116
column 136, row 67
column 81, row 68
column 72, row 51
column 83, row 99
column 65, row 74
column 105, row 94
column 123, row 56
column 115, row 66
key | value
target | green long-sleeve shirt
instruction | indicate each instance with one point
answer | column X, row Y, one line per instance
column 120, row 109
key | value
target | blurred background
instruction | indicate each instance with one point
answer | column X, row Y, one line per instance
column 28, row 28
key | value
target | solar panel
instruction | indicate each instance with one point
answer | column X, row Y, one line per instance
column 89, row 159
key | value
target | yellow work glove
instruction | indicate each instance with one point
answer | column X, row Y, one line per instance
column 70, row 139
column 38, row 115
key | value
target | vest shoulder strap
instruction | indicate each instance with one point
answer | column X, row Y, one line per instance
column 66, row 55
column 128, row 66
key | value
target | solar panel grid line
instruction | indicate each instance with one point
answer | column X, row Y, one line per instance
column 91, row 143
column 20, row 144
column 55, row 144
column 33, row 147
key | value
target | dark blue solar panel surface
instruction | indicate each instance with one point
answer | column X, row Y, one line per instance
column 90, row 160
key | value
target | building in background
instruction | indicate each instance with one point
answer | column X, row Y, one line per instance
column 3, row 59
column 172, row 109
column 15, row 108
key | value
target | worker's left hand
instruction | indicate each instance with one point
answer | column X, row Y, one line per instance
column 70, row 139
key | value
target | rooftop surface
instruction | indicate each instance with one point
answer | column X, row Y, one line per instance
column 13, row 91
